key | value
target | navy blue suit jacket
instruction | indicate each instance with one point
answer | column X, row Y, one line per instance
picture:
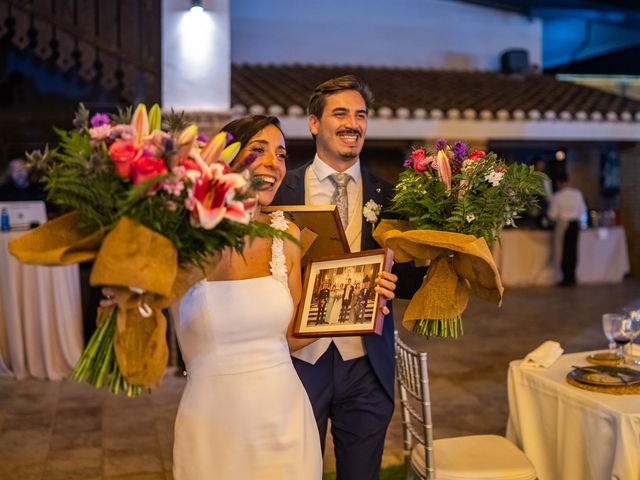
column 380, row 349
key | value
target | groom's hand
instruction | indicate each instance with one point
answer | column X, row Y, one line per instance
column 385, row 286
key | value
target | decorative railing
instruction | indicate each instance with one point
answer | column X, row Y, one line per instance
column 114, row 42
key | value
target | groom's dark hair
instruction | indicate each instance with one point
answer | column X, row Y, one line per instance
column 242, row 129
column 318, row 99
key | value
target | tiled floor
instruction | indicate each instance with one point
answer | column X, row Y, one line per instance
column 64, row 430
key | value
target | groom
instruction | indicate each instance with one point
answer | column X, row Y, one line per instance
column 349, row 380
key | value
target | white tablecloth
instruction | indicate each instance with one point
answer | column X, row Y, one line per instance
column 40, row 317
column 524, row 257
column 570, row 433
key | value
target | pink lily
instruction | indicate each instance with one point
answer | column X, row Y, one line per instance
column 444, row 169
column 140, row 124
column 211, row 151
column 186, row 140
column 212, row 196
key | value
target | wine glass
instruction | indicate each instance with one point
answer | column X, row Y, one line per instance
column 609, row 326
column 622, row 332
column 632, row 315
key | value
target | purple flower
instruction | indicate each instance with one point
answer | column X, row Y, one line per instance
column 229, row 138
column 441, row 144
column 408, row 163
column 459, row 154
column 99, row 119
column 246, row 163
column 202, row 138
column 459, row 150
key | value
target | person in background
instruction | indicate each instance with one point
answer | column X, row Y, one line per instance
column 566, row 209
column 535, row 216
column 19, row 186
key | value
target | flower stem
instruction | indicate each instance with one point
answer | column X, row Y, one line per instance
column 98, row 364
column 445, row 327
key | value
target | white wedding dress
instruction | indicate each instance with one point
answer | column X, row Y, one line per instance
column 244, row 413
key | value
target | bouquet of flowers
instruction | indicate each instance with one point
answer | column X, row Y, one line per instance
column 453, row 203
column 152, row 206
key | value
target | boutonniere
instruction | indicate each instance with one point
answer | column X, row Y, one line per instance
column 371, row 212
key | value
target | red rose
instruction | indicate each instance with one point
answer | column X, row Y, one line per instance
column 476, row 155
column 145, row 168
column 123, row 154
column 189, row 164
column 418, row 156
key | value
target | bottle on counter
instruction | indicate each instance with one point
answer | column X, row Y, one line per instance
column 5, row 226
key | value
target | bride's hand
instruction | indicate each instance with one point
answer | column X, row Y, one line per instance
column 109, row 297
column 385, row 286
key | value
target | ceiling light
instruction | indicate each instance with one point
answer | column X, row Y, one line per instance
column 196, row 6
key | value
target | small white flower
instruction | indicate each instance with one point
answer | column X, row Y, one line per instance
column 470, row 217
column 371, row 210
column 509, row 222
column 494, row 178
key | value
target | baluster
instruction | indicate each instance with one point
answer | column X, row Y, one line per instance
column 20, row 28
column 62, row 11
column 87, row 11
column 4, row 17
column 45, row 30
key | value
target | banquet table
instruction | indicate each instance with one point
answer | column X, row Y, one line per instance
column 525, row 257
column 568, row 432
column 40, row 317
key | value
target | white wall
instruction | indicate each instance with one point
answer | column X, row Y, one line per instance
column 441, row 34
column 196, row 51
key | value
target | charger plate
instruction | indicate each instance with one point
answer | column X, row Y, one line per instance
column 606, row 379
column 604, row 358
column 623, row 390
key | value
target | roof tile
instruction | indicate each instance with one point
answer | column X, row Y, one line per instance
column 397, row 88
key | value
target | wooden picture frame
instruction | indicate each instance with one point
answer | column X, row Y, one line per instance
column 320, row 227
column 338, row 296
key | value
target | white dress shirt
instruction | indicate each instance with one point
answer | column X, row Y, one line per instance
column 318, row 191
column 567, row 204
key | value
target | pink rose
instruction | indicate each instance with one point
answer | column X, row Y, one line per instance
column 124, row 154
column 145, row 168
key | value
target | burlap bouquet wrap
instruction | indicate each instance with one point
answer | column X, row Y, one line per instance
column 130, row 256
column 458, row 264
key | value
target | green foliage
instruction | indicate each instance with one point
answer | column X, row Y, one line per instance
column 81, row 118
column 174, row 121
column 474, row 205
column 123, row 116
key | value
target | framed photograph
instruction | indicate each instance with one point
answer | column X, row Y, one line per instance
column 338, row 296
column 320, row 227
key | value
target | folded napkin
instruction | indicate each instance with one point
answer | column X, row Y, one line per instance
column 544, row 356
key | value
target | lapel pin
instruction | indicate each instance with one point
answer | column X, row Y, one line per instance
column 378, row 190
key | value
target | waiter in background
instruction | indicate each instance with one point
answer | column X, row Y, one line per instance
column 566, row 209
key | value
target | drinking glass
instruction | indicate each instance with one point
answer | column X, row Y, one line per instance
column 632, row 315
column 622, row 333
column 610, row 323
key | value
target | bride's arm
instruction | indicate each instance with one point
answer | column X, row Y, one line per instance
column 292, row 254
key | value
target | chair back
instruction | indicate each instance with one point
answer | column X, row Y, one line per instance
column 415, row 401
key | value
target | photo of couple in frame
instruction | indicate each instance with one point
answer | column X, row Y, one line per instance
column 339, row 297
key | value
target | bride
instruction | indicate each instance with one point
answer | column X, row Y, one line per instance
column 244, row 413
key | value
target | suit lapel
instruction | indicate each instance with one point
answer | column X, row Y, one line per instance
column 292, row 189
column 372, row 189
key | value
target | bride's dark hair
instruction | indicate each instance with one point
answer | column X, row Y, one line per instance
column 244, row 128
